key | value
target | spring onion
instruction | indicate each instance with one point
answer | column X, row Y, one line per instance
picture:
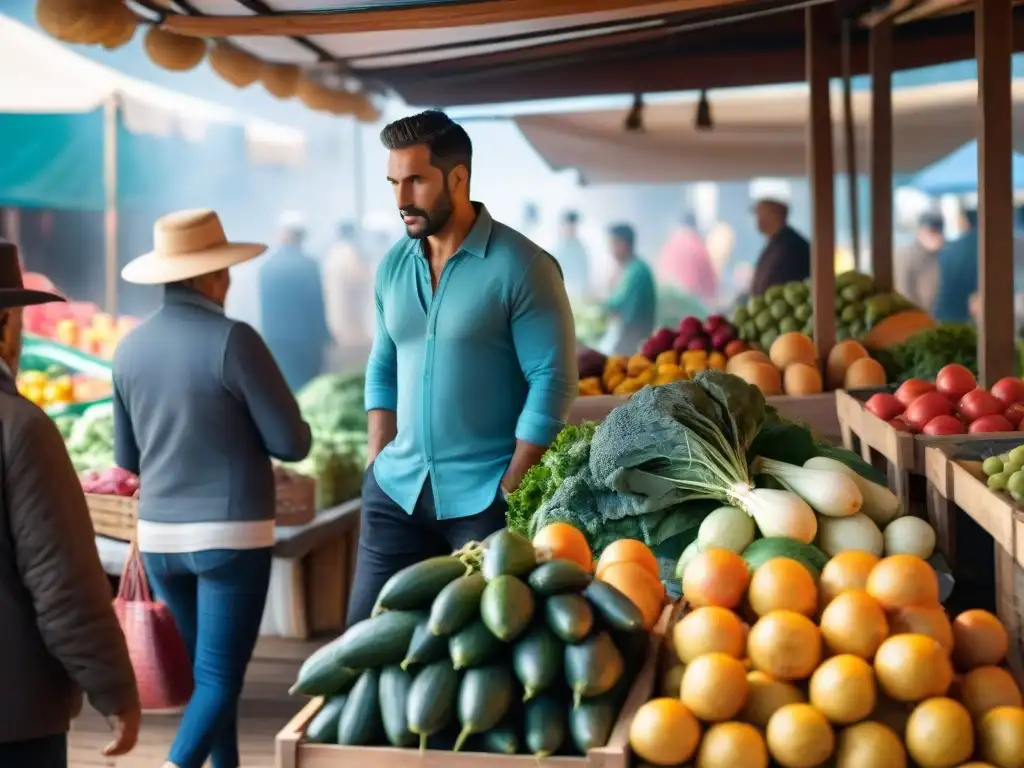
column 727, row 528
column 777, row 513
column 880, row 504
column 842, row 534
column 829, row 492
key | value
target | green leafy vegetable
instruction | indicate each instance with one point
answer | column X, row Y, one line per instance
column 925, row 353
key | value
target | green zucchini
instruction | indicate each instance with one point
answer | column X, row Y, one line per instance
column 320, row 675
column 414, row 588
column 432, row 698
column 425, row 647
column 544, row 725
column 592, row 667
column 558, row 576
column 617, row 610
column 360, row 722
column 485, row 696
column 323, row 728
column 569, row 617
column 591, row 722
column 503, row 739
column 373, row 642
column 537, row 660
column 508, row 554
column 506, row 607
column 457, row 604
column 473, row 646
column 395, row 683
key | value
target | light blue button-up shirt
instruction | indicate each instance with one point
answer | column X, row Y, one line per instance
column 486, row 359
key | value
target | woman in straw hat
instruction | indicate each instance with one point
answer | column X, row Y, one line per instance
column 59, row 629
column 200, row 408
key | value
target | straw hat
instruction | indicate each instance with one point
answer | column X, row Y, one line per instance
column 13, row 292
column 188, row 244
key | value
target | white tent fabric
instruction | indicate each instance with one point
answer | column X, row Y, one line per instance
column 39, row 75
column 756, row 133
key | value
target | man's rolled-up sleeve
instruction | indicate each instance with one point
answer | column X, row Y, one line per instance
column 381, row 391
column 545, row 341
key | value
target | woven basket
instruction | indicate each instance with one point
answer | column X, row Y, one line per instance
column 113, row 516
column 295, row 497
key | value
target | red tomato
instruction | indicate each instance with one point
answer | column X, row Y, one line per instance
column 884, row 406
column 900, row 423
column 944, row 425
column 927, row 407
column 996, row 423
column 1015, row 414
column 978, row 403
column 911, row 389
column 1009, row 390
column 955, row 381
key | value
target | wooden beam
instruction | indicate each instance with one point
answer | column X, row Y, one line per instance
column 929, row 8
column 822, row 177
column 993, row 31
column 850, row 144
column 444, row 15
column 880, row 55
column 885, row 15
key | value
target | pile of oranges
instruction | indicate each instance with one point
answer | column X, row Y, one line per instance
column 860, row 668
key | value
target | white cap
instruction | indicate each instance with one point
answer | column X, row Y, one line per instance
column 292, row 220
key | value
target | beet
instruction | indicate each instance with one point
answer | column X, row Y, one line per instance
column 713, row 323
column 721, row 337
column 660, row 342
column 690, row 326
column 681, row 343
column 590, row 363
column 699, row 342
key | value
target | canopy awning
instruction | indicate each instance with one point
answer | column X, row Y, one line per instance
column 755, row 133
column 957, row 174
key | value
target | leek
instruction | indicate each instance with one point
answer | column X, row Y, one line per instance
column 829, row 492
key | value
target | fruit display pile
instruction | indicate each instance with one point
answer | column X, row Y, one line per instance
column 786, row 308
column 112, row 481
column 1005, row 473
column 953, row 405
column 511, row 646
column 856, row 667
column 56, row 387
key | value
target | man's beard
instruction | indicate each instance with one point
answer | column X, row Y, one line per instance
column 433, row 221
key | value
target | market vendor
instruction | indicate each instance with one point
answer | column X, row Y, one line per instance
column 632, row 306
column 472, row 369
column 787, row 254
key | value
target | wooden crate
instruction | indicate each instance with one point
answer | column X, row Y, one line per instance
column 113, row 516
column 996, row 524
column 292, row 752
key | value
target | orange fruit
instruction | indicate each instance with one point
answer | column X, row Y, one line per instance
column 928, row 620
column 785, row 645
column 843, row 689
column 913, row 668
column 870, row 745
column 765, row 696
column 714, row 687
column 985, row 688
column 847, row 570
column 709, row 630
column 979, row 640
column 664, row 732
column 782, row 584
column 561, row 541
column 1001, row 737
column 635, row 582
column 727, row 745
column 715, row 577
column 799, row 736
column 900, row 581
column 629, row 551
column 940, row 734
column 854, row 622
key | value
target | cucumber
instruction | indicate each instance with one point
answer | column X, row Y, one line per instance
column 360, row 722
column 323, row 728
column 485, row 696
column 508, row 554
column 457, row 604
column 374, row 642
column 544, row 725
column 506, row 607
column 592, row 667
column 425, row 647
column 537, row 660
column 558, row 576
column 395, row 683
column 503, row 739
column 415, row 587
column 320, row 676
column 617, row 610
column 591, row 722
column 569, row 617
column 432, row 696
column 473, row 646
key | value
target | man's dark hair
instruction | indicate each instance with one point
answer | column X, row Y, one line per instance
column 448, row 141
column 780, row 207
column 570, row 217
column 932, row 221
column 625, row 233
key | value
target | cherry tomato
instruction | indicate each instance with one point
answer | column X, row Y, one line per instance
column 955, row 381
column 927, row 407
column 911, row 389
column 884, row 406
column 978, row 403
column 1009, row 390
column 944, row 425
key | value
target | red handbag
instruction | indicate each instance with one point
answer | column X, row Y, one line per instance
column 163, row 669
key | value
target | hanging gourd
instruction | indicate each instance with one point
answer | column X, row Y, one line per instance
column 176, row 53
column 281, row 80
column 234, row 65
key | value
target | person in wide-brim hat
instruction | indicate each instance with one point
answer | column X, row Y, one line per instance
column 13, row 292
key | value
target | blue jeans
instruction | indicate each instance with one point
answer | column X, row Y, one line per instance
column 47, row 752
column 217, row 598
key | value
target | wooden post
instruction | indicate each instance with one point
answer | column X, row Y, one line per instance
column 850, row 145
column 111, row 112
column 994, row 48
column 820, row 165
column 880, row 55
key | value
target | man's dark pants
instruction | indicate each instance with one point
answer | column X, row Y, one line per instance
column 390, row 539
column 47, row 752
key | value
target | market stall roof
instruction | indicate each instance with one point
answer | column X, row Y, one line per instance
column 754, row 133
column 957, row 173
column 41, row 76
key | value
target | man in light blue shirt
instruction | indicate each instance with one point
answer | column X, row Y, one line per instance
column 472, row 369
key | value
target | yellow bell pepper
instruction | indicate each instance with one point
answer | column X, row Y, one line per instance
column 637, row 364
column 590, row 386
column 716, row 361
column 615, row 362
column 693, row 356
column 669, row 370
column 628, row 387
column 669, row 357
column 645, row 377
column 613, row 381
